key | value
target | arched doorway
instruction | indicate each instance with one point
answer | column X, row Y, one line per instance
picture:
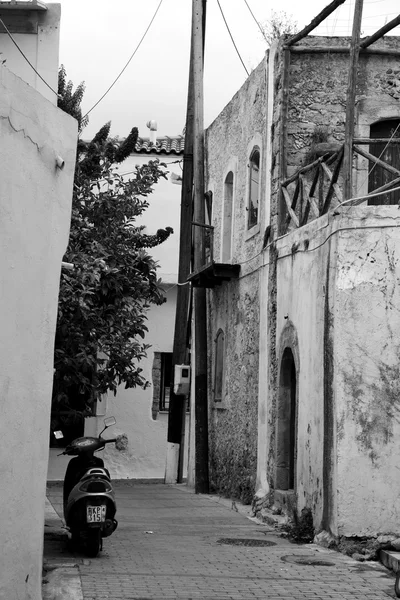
column 228, row 216
column 286, row 424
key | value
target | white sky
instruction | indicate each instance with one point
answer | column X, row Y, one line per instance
column 98, row 37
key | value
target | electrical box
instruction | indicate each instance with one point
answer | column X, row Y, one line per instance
column 182, row 380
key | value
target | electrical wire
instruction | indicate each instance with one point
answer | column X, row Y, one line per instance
column 258, row 24
column 26, row 58
column 132, row 55
column 233, row 41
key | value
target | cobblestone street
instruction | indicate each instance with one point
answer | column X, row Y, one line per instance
column 169, row 544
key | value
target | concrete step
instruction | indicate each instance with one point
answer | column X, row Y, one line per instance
column 390, row 559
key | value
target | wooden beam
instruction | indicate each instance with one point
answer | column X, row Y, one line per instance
column 288, row 201
column 350, row 101
column 294, row 201
column 342, row 50
column 381, row 32
column 309, row 198
column 315, row 22
column 383, row 188
column 377, row 161
column 368, row 141
column 307, row 168
column 336, row 187
column 331, row 189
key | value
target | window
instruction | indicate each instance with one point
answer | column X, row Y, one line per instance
column 227, row 223
column 390, row 154
column 254, row 185
column 219, row 366
column 165, row 383
column 161, row 374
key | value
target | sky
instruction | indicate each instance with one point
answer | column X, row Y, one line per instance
column 99, row 36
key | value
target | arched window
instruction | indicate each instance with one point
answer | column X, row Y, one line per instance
column 227, row 222
column 390, row 154
column 286, row 424
column 219, row 366
column 254, row 188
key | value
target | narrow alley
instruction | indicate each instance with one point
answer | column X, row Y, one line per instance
column 171, row 543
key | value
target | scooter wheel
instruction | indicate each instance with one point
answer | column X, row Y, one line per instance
column 397, row 585
column 93, row 543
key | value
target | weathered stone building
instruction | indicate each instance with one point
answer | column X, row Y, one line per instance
column 304, row 352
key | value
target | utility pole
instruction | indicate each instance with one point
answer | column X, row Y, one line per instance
column 180, row 353
column 350, row 101
column 200, row 301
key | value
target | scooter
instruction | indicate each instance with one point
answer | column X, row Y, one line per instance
column 88, row 495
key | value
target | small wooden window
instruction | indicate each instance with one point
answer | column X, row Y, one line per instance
column 254, row 188
column 165, row 383
column 219, row 366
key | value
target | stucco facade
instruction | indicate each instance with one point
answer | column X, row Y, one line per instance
column 35, row 202
column 310, row 413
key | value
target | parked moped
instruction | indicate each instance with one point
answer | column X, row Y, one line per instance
column 397, row 585
column 88, row 495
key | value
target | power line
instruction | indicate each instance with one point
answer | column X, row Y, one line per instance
column 132, row 55
column 258, row 24
column 26, row 58
column 233, row 41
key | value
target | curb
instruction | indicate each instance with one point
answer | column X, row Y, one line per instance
column 391, row 560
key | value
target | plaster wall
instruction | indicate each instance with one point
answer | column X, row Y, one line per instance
column 41, row 47
column 301, row 277
column 234, row 306
column 163, row 211
column 367, row 352
column 346, row 467
column 35, row 204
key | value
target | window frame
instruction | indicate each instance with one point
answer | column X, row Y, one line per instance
column 250, row 226
column 219, row 368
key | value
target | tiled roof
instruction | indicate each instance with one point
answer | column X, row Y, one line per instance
column 164, row 145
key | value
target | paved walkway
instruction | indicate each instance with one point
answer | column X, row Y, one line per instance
column 168, row 546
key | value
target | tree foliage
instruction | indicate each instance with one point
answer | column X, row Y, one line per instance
column 69, row 101
column 103, row 299
column 280, row 23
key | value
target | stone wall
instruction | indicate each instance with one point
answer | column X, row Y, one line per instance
column 234, row 306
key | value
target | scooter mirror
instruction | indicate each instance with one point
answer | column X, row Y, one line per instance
column 109, row 422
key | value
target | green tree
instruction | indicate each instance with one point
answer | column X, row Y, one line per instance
column 105, row 296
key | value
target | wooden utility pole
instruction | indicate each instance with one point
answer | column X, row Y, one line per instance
column 200, row 306
column 350, row 101
column 180, row 353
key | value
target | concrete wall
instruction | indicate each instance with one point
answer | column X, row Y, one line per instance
column 40, row 46
column 35, row 204
column 234, row 306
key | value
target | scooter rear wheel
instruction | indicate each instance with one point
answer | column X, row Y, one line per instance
column 397, row 585
column 93, row 543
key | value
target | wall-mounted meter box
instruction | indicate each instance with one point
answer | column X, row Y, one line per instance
column 182, row 380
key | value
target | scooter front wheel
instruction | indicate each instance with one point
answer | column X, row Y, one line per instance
column 397, row 585
column 93, row 542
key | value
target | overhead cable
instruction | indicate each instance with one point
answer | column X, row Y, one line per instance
column 258, row 24
column 233, row 41
column 126, row 65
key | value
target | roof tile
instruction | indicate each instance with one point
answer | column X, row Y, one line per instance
column 164, row 145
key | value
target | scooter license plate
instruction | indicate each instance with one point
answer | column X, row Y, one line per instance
column 96, row 514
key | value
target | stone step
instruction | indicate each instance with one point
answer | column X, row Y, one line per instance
column 390, row 559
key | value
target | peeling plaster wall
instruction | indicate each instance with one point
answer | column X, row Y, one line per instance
column 301, row 305
column 367, row 359
column 347, row 460
column 234, row 306
column 35, row 204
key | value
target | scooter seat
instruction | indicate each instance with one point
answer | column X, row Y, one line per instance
column 96, row 472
